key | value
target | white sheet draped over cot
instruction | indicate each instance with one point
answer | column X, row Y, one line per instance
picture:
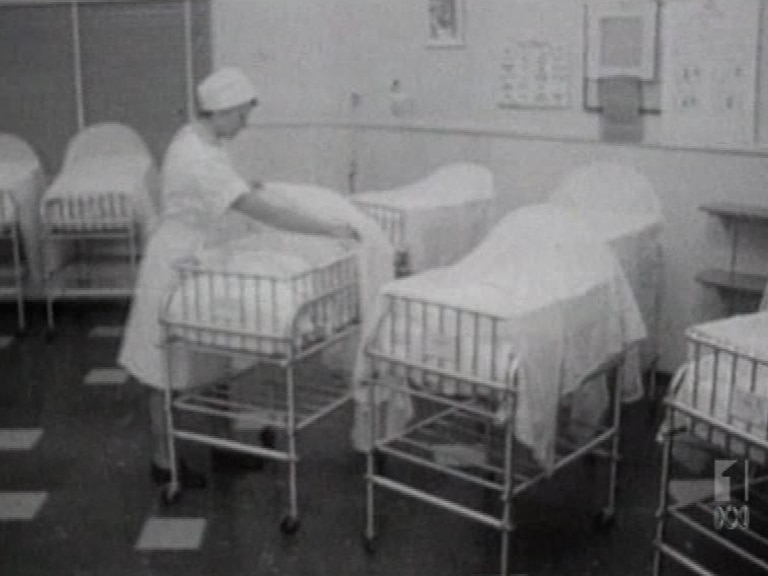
column 102, row 162
column 446, row 213
column 566, row 307
column 621, row 207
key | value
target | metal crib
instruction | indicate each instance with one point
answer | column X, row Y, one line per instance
column 327, row 312
column 457, row 401
column 78, row 262
column 712, row 528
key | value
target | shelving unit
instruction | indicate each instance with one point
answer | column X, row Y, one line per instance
column 729, row 280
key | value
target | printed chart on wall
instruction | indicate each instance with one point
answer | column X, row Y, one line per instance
column 534, row 73
column 709, row 72
column 533, row 60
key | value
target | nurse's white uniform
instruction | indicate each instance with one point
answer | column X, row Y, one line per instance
column 199, row 185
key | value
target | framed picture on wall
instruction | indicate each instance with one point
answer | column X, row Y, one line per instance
column 445, row 23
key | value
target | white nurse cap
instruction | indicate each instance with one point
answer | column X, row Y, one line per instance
column 225, row 88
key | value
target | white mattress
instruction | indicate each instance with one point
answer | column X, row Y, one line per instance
column 446, row 214
column 85, row 194
column 732, row 390
column 254, row 311
column 565, row 304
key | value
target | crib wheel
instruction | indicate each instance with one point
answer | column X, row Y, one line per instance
column 369, row 543
column 605, row 519
column 289, row 525
column 170, row 495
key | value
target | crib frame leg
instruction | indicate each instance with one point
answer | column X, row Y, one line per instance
column 661, row 513
column 370, row 463
column 19, row 277
column 293, row 513
column 173, row 488
column 610, row 508
column 507, row 503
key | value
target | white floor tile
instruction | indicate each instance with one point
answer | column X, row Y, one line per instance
column 5, row 341
column 106, row 377
column 172, row 534
column 106, row 331
column 21, row 505
column 19, row 438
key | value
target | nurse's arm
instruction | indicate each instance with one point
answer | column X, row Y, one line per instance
column 253, row 205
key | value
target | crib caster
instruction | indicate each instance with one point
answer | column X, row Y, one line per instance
column 289, row 525
column 605, row 519
column 369, row 544
column 170, row 495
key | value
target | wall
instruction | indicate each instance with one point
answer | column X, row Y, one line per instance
column 67, row 64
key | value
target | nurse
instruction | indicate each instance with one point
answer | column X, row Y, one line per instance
column 199, row 185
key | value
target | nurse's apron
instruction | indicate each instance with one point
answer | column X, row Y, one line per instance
column 142, row 353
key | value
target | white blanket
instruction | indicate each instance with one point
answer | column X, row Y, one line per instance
column 566, row 307
column 79, row 194
column 731, row 390
column 255, row 287
column 375, row 253
column 621, row 206
column 636, row 241
column 446, row 214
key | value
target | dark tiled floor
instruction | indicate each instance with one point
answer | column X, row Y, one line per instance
column 92, row 462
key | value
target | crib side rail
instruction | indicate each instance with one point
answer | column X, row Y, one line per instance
column 442, row 347
column 392, row 220
column 279, row 310
column 723, row 394
column 93, row 211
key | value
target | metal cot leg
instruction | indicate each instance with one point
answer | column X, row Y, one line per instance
column 370, row 528
column 661, row 513
column 172, row 490
column 47, row 279
column 508, row 524
column 18, row 273
column 613, row 471
column 290, row 523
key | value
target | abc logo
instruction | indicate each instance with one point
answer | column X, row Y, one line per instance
column 731, row 517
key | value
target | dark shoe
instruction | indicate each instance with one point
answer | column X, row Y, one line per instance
column 188, row 478
column 229, row 460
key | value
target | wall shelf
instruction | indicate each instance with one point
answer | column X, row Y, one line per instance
column 746, row 284
column 738, row 212
column 729, row 280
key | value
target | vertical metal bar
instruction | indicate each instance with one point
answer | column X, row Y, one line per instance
column 370, row 528
column 661, row 513
column 291, row 432
column 189, row 61
column 78, row 65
